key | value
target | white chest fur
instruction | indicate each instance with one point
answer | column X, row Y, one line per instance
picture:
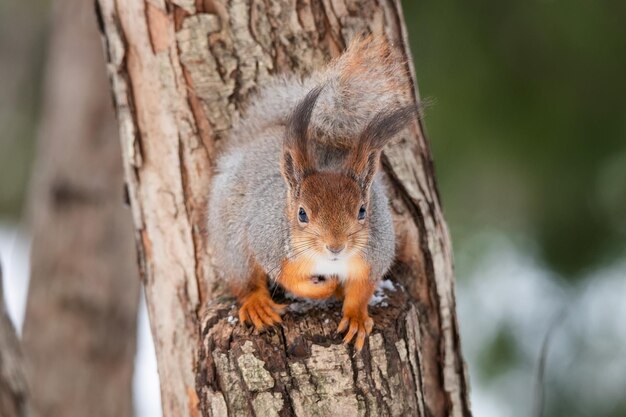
column 326, row 267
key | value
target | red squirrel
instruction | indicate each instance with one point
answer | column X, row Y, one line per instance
column 298, row 198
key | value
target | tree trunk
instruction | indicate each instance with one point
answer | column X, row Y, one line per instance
column 80, row 326
column 181, row 72
column 14, row 396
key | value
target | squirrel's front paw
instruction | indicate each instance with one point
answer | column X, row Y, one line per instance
column 357, row 323
column 260, row 310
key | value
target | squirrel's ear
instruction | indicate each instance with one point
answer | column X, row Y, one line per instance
column 363, row 161
column 297, row 161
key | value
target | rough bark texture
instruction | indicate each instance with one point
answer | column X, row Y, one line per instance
column 80, row 326
column 14, row 395
column 181, row 72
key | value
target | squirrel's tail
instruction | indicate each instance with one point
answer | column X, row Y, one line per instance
column 368, row 77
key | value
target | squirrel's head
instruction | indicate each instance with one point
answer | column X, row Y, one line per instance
column 329, row 211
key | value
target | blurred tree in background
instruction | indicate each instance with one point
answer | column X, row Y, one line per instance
column 80, row 325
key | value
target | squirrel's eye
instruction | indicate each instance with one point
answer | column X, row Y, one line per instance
column 361, row 215
column 302, row 217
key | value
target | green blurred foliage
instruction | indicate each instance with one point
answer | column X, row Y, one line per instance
column 498, row 354
column 528, row 121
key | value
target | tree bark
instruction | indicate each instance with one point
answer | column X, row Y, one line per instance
column 80, row 326
column 14, row 395
column 181, row 72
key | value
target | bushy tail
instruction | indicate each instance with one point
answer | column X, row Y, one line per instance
column 368, row 77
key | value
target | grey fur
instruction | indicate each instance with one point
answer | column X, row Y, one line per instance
column 247, row 204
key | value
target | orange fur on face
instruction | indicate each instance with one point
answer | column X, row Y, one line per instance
column 332, row 201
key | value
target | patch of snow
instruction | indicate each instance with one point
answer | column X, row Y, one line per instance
column 387, row 284
column 508, row 289
column 146, row 388
column 14, row 260
column 379, row 296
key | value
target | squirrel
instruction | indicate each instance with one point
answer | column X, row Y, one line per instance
column 297, row 198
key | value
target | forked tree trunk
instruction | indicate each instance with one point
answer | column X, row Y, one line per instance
column 182, row 71
column 80, row 326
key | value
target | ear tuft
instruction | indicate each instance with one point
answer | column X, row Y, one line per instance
column 363, row 162
column 296, row 159
column 298, row 122
column 385, row 125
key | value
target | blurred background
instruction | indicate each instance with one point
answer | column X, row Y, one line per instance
column 527, row 123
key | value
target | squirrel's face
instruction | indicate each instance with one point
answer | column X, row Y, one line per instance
column 329, row 216
column 328, row 210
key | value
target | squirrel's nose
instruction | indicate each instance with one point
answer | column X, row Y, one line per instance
column 335, row 249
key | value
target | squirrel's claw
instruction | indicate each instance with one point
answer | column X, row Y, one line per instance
column 343, row 325
column 260, row 311
column 359, row 326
